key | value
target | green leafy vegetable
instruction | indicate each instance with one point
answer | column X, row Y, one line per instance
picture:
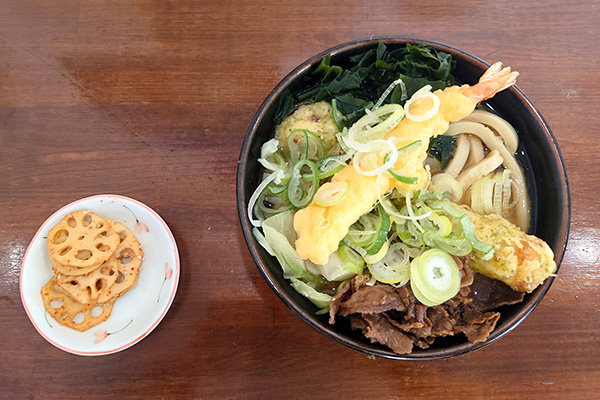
column 358, row 85
column 442, row 148
column 286, row 104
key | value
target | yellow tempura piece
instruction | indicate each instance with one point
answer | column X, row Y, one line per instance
column 320, row 229
column 521, row 261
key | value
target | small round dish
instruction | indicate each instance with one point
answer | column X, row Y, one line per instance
column 137, row 312
column 543, row 167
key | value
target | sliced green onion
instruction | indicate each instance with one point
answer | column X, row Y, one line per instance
column 469, row 232
column 443, row 224
column 376, row 147
column 341, row 138
column 383, row 227
column 257, row 193
column 467, row 227
column 492, row 193
column 388, row 90
column 456, row 246
column 331, row 193
column 373, row 125
column 267, row 151
column 410, row 211
column 389, row 207
column 433, row 196
column 411, row 180
column 304, row 144
column 332, row 171
column 425, row 223
column 351, row 260
column 443, row 183
column 435, row 277
column 448, row 208
column 409, row 147
column 409, row 234
column 394, row 267
column 425, row 91
column 298, row 195
column 362, row 232
column 330, row 165
column 337, row 115
column 278, row 189
column 373, row 258
column 276, row 204
column 421, row 297
column 358, row 249
column 279, row 160
column 377, row 123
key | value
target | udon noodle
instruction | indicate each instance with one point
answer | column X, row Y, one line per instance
column 486, row 143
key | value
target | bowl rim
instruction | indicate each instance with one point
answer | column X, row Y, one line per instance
column 328, row 330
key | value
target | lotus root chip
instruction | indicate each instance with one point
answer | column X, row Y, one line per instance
column 82, row 239
column 95, row 261
column 60, row 269
column 69, row 312
column 87, row 288
column 129, row 256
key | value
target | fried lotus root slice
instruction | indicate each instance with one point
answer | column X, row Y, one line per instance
column 68, row 312
column 129, row 255
column 82, row 239
column 86, row 288
column 60, row 269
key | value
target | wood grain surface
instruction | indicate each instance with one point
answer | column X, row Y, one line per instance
column 151, row 99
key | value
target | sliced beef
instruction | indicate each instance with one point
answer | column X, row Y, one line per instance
column 476, row 325
column 360, row 281
column 394, row 317
column 357, row 322
column 415, row 310
column 488, row 294
column 414, row 319
column 334, row 303
column 442, row 323
column 465, row 272
column 372, row 300
column 379, row 329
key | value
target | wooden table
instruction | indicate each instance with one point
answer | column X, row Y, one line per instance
column 151, row 99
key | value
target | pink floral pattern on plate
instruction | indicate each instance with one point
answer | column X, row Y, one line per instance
column 138, row 227
column 168, row 275
column 102, row 334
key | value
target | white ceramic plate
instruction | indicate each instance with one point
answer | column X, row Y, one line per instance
column 137, row 312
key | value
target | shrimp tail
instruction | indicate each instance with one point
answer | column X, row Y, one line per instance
column 494, row 80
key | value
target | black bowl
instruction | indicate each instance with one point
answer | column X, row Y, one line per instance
column 539, row 154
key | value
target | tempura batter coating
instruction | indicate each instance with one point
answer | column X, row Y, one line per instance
column 520, row 260
column 320, row 229
column 317, row 118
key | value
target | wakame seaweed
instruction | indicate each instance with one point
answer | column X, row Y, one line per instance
column 369, row 74
column 442, row 148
